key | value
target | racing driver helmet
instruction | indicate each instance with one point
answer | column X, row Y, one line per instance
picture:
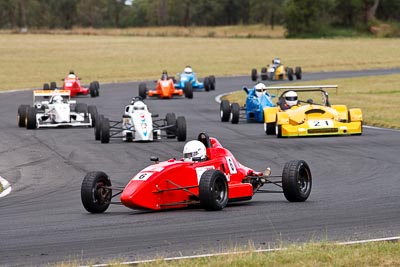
column 188, row 70
column 56, row 99
column 139, row 105
column 71, row 76
column 194, row 149
column 260, row 88
column 291, row 98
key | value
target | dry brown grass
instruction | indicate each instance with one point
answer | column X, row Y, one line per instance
column 29, row 60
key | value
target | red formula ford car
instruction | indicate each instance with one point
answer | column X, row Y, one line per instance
column 165, row 88
column 72, row 84
column 208, row 175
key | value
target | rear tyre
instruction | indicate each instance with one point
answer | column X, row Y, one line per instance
column 296, row 181
column 105, row 131
column 206, row 83
column 264, row 75
column 225, row 110
column 97, row 85
column 53, row 85
column 22, row 111
column 171, row 120
column 235, row 111
column 142, row 90
column 96, row 192
column 254, row 75
column 213, row 190
column 93, row 114
column 31, row 118
column 298, row 73
column 97, row 127
column 181, row 129
column 212, row 82
column 46, row 86
column 290, row 74
column 92, row 89
column 278, row 131
column 270, row 128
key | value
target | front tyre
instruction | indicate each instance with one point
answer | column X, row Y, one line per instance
column 254, row 75
column 142, row 90
column 270, row 128
column 296, row 181
column 105, row 131
column 30, row 121
column 97, row 126
column 22, row 112
column 225, row 110
column 93, row 114
column 235, row 112
column 213, row 190
column 181, row 129
column 95, row 192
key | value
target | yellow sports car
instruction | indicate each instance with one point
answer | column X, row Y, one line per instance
column 296, row 117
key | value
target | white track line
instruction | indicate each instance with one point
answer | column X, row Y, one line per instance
column 6, row 187
column 386, row 239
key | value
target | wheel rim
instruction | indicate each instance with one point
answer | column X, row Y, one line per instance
column 219, row 190
column 303, row 181
column 101, row 194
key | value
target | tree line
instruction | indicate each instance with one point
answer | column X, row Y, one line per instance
column 298, row 16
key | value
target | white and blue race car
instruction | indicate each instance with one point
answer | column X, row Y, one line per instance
column 138, row 124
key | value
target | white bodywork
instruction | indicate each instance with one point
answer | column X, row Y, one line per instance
column 55, row 114
column 137, row 123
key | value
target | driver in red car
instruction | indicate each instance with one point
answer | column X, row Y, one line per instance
column 194, row 151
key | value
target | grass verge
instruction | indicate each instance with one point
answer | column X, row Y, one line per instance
column 29, row 60
column 378, row 97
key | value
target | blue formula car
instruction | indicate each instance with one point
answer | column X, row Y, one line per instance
column 188, row 80
column 253, row 111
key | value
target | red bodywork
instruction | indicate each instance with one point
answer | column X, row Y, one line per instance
column 175, row 183
column 165, row 89
column 74, row 86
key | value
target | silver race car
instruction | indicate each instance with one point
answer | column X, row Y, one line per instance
column 54, row 109
column 138, row 124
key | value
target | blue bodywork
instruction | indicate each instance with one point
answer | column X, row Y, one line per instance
column 184, row 77
column 255, row 104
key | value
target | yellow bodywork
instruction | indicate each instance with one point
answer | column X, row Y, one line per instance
column 315, row 120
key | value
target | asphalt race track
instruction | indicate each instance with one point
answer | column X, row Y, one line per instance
column 355, row 191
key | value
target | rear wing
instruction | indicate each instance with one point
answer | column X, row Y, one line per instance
column 51, row 93
column 303, row 88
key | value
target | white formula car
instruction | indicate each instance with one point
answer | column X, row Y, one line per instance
column 55, row 109
column 137, row 124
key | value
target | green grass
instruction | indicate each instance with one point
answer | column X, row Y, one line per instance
column 29, row 60
column 377, row 96
column 312, row 254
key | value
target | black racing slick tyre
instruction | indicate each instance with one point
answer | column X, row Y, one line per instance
column 296, row 181
column 170, row 118
column 96, row 192
column 188, row 90
column 53, row 85
column 213, row 190
column 235, row 113
column 298, row 73
column 212, row 82
column 254, row 75
column 290, row 74
column 46, row 86
column 92, row 89
column 264, row 74
column 278, row 131
column 93, row 114
column 105, row 131
column 142, row 90
column 97, row 85
column 22, row 112
column 270, row 128
column 225, row 110
column 82, row 108
column 97, row 126
column 30, row 121
column 181, row 129
column 207, row 84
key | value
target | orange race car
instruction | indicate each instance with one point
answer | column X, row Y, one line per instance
column 164, row 89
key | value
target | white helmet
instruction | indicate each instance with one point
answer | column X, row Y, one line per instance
column 260, row 88
column 194, row 149
column 291, row 98
column 71, row 76
column 188, row 70
column 57, row 99
column 139, row 105
column 277, row 61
